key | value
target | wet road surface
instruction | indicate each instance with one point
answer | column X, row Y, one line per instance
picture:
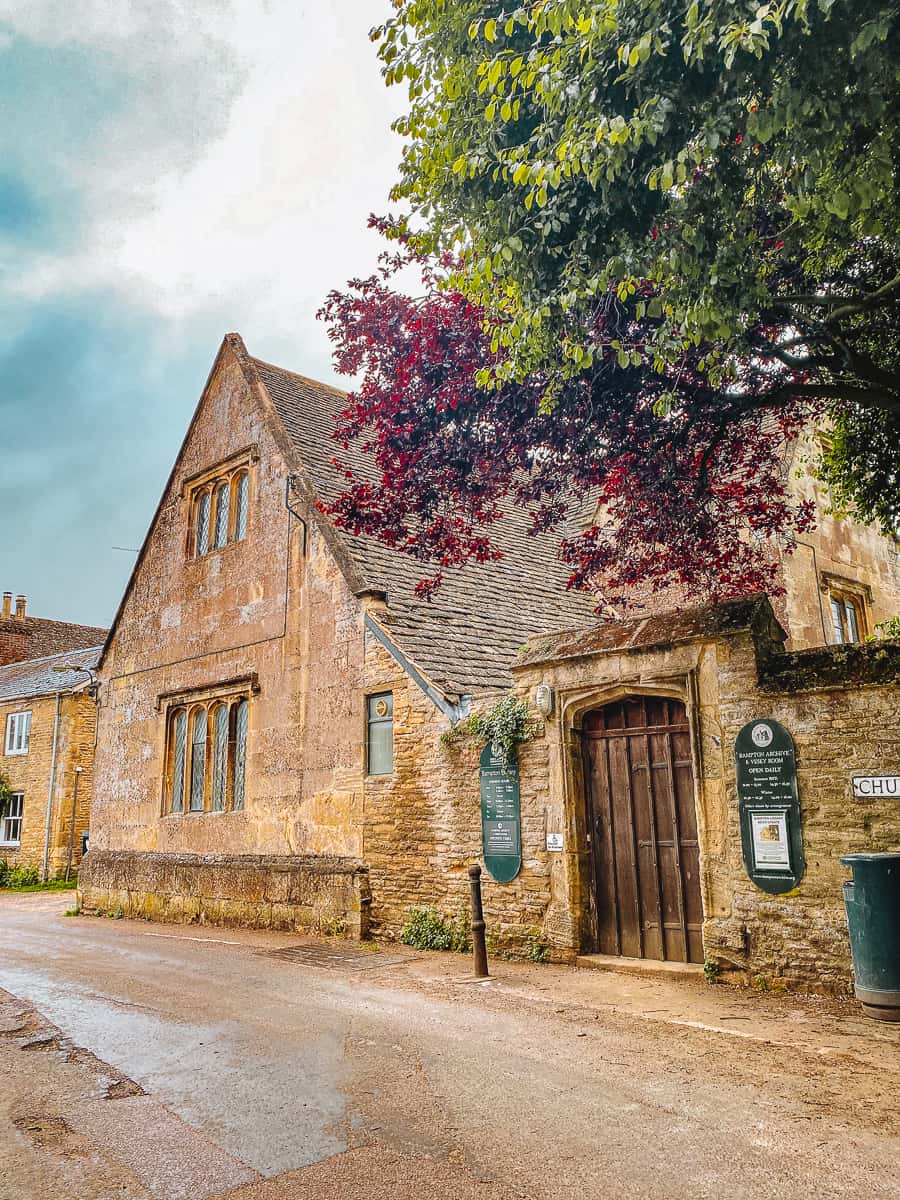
column 390, row 1074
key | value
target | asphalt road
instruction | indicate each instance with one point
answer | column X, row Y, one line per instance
column 192, row 1062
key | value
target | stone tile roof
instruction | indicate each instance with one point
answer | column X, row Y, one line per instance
column 36, row 676
column 657, row 629
column 465, row 638
column 37, row 637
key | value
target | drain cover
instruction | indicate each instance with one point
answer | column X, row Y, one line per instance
column 336, row 957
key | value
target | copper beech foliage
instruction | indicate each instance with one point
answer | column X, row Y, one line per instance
column 684, row 486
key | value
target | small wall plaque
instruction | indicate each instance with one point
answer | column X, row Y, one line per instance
column 554, row 841
column 769, row 806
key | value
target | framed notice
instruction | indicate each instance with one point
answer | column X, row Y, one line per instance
column 771, row 847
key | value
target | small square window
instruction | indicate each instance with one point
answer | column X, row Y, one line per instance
column 18, row 733
column 380, row 734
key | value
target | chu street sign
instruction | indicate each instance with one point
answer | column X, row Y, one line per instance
column 500, row 815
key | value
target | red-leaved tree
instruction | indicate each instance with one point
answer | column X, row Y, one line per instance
column 685, row 486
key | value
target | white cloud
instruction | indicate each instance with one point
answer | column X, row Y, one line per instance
column 246, row 214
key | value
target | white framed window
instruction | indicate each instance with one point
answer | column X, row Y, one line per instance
column 11, row 819
column 18, row 732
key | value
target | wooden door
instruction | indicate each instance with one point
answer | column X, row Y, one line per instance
column 642, row 829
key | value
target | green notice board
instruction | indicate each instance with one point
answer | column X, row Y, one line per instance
column 769, row 806
column 501, row 824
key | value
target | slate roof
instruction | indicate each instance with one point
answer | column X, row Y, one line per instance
column 36, row 676
column 42, row 636
column 464, row 639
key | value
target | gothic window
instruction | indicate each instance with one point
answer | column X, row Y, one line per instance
column 240, row 519
column 201, row 545
column 223, row 497
column 241, row 718
column 219, row 505
column 198, row 759
column 206, row 754
column 220, row 757
column 179, row 747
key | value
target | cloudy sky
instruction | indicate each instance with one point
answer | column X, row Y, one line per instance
column 170, row 170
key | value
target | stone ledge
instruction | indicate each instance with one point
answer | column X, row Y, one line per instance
column 290, row 892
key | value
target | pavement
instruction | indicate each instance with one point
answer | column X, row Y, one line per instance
column 149, row 1062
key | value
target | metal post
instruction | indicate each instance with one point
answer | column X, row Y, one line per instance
column 479, row 947
column 78, row 771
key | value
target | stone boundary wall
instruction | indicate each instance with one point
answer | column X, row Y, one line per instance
column 319, row 893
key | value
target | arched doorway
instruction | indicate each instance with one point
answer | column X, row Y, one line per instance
column 641, row 823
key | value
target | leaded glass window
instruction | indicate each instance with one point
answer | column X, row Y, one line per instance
column 223, row 496
column 203, row 524
column 220, row 757
column 198, row 759
column 241, row 715
column 240, row 520
column 179, row 747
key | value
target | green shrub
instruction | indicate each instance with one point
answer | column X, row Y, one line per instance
column 12, row 876
column 885, row 629
column 427, row 929
column 536, row 950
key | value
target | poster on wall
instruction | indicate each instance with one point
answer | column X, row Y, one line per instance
column 769, row 806
column 771, row 851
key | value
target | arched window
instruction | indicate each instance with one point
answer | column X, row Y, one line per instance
column 179, row 747
column 241, row 715
column 241, row 497
column 220, row 757
column 223, row 496
column 202, row 522
column 198, row 759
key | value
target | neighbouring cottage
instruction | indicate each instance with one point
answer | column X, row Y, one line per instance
column 272, row 698
column 23, row 637
column 48, row 726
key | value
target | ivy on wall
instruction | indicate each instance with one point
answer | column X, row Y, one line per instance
column 505, row 726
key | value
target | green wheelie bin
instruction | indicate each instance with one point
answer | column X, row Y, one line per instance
column 873, row 916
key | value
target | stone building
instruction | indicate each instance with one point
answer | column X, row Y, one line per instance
column 48, row 728
column 23, row 637
column 273, row 697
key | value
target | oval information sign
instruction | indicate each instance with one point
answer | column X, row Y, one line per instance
column 769, row 806
column 501, row 836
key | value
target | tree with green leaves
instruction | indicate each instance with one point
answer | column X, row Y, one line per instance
column 727, row 170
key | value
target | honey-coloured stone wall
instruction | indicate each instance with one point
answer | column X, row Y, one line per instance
column 31, row 774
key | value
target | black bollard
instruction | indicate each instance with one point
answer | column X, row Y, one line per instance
column 479, row 947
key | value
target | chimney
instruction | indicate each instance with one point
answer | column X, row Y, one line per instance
column 7, row 604
column 20, row 607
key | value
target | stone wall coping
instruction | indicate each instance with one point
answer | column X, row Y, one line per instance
column 822, row 667
column 702, row 623
column 313, row 864
column 778, row 670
